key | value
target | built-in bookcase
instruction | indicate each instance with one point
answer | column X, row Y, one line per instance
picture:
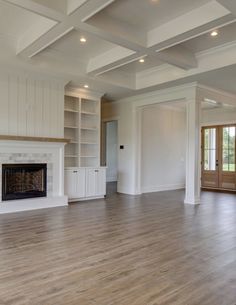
column 82, row 126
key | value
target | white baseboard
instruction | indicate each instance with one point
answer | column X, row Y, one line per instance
column 21, row 205
column 151, row 189
column 111, row 179
column 194, row 201
column 86, row 198
column 161, row 188
column 127, row 191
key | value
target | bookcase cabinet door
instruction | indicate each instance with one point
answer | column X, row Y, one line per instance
column 95, row 182
column 75, row 183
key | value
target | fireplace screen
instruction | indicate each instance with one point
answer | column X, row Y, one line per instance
column 24, row 181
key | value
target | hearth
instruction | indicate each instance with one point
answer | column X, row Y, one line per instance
column 21, row 181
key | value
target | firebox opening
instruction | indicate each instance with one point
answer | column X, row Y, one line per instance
column 20, row 181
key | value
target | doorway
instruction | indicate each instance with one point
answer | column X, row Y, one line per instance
column 110, row 154
column 218, row 157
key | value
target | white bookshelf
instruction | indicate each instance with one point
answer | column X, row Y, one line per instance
column 82, row 118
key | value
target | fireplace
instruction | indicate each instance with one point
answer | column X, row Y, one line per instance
column 21, row 181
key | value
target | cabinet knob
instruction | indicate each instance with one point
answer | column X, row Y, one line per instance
column 75, row 172
column 96, row 170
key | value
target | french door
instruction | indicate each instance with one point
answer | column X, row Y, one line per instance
column 218, row 157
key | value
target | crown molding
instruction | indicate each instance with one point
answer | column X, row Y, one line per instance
column 82, row 92
column 216, row 91
column 217, row 49
column 162, row 92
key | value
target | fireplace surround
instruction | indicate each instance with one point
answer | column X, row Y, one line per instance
column 20, row 181
column 31, row 151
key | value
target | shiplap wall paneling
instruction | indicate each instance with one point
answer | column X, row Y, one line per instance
column 38, row 108
column 31, row 107
column 58, row 112
column 22, row 109
column 46, row 109
column 31, row 113
column 4, row 104
column 13, row 104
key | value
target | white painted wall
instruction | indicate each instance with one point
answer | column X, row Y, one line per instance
column 126, row 130
column 31, row 105
column 163, row 148
column 126, row 111
column 111, row 151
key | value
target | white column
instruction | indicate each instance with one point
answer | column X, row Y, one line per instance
column 193, row 155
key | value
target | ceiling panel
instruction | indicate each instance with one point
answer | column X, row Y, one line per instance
column 147, row 14
column 15, row 21
column 225, row 35
column 60, row 5
column 135, row 66
column 70, row 45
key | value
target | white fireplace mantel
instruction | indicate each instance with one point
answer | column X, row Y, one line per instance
column 14, row 151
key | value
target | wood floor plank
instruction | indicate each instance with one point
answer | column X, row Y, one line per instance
column 125, row 250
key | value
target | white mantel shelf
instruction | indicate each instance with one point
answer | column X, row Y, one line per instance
column 33, row 139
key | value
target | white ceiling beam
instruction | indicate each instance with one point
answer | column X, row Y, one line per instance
column 40, row 43
column 61, row 29
column 87, row 10
column 98, row 65
column 38, row 9
column 45, row 40
column 216, row 24
column 170, row 56
column 90, row 8
column 179, row 57
column 117, row 57
column 229, row 5
column 73, row 5
column 33, row 41
column 129, row 47
column 34, row 32
column 209, row 60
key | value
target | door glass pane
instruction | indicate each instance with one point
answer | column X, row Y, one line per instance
column 210, row 149
column 228, row 149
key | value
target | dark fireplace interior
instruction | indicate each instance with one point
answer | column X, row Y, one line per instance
column 21, row 181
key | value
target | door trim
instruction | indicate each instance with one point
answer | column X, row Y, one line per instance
column 219, row 172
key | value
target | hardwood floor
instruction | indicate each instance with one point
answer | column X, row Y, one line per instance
column 111, row 188
column 147, row 250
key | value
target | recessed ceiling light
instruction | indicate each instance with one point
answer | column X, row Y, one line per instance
column 214, row 33
column 83, row 39
column 141, row 60
column 86, row 86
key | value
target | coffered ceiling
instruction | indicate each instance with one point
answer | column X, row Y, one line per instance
column 127, row 47
column 144, row 16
